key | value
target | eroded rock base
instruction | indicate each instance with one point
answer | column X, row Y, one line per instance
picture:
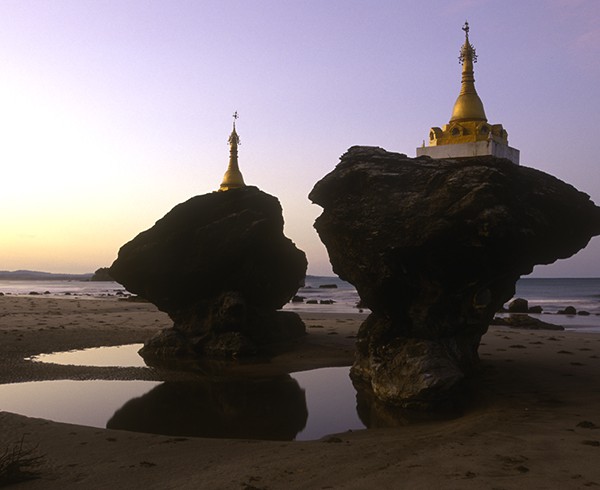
column 411, row 372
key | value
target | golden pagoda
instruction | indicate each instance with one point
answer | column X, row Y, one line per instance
column 468, row 133
column 233, row 177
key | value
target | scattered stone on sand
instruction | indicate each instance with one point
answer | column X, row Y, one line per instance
column 220, row 266
column 434, row 248
column 525, row 321
column 569, row 310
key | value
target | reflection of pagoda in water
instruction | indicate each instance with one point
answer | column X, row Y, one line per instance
column 233, row 177
column 468, row 134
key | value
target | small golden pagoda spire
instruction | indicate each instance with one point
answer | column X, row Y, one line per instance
column 468, row 105
column 233, row 177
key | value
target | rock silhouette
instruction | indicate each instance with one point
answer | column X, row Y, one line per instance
column 259, row 408
column 220, row 266
column 434, row 248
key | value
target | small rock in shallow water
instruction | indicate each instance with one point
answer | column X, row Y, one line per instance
column 569, row 310
column 518, row 305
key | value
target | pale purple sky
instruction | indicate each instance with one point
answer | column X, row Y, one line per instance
column 114, row 111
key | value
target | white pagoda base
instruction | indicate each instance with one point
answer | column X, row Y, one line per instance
column 476, row 149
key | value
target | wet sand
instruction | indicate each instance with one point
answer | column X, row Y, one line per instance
column 532, row 419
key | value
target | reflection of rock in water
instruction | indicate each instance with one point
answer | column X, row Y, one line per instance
column 268, row 408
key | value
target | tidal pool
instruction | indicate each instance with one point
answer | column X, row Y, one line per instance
column 118, row 355
column 300, row 406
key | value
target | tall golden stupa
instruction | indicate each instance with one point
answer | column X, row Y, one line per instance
column 468, row 134
column 233, row 177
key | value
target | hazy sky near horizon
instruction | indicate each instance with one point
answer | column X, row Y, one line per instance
column 114, row 111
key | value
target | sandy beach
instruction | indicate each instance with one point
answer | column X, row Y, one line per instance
column 532, row 419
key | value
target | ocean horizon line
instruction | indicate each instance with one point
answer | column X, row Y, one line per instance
column 29, row 274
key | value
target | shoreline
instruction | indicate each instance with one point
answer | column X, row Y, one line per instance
column 532, row 421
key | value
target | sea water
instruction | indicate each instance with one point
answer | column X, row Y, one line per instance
column 551, row 294
column 555, row 294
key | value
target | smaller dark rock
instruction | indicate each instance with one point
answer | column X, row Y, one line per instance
column 569, row 310
column 102, row 274
column 583, row 313
column 1, row 294
column 33, row 293
column 312, row 302
column 326, row 302
column 518, row 305
column 328, row 286
column 535, row 309
column 298, row 299
column 525, row 321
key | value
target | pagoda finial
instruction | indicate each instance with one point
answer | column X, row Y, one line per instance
column 468, row 106
column 233, row 177
column 467, row 51
column 233, row 137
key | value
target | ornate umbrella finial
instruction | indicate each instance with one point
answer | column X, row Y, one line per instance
column 468, row 50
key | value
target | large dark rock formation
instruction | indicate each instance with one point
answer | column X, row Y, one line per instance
column 434, row 248
column 220, row 266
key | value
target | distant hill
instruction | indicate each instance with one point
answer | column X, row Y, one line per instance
column 42, row 276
